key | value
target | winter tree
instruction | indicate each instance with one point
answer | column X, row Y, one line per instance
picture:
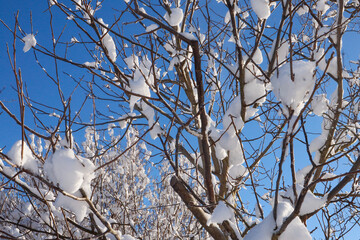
column 182, row 119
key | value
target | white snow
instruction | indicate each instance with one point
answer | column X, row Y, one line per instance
column 168, row 47
column 220, row 214
column 188, row 35
column 310, row 203
column 236, row 171
column 79, row 208
column 142, row 10
column 91, row 64
column 237, row 10
column 143, row 79
column 71, row 172
column 27, row 161
column 296, row 230
column 302, row 10
column 74, row 40
column 151, row 28
column 149, row 112
column 227, row 140
column 140, row 85
column 320, row 58
column 318, row 142
column 127, row 237
column 107, row 41
column 177, row 59
column 123, row 123
column 258, row 210
column 232, row 116
column 132, row 61
column 332, row 68
column 322, row 6
column 29, row 41
column 294, row 94
column 328, row 175
column 282, row 52
column 258, row 58
column 255, row 92
column 261, row 8
column 319, row 104
column 300, row 175
column 255, row 89
column 175, row 17
column 324, row 32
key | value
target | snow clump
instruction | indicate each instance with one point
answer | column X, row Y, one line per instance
column 29, row 41
column 294, row 93
column 79, row 208
column 175, row 17
column 261, row 8
column 296, row 230
column 71, row 172
column 27, row 159
column 151, row 28
column 107, row 41
column 310, row 203
column 319, row 104
column 221, row 213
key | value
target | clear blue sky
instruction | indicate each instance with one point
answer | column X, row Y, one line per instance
column 7, row 80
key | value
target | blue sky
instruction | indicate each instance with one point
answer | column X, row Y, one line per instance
column 24, row 60
column 38, row 85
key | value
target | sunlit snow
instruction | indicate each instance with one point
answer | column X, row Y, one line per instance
column 29, row 41
column 293, row 93
column 176, row 16
column 21, row 155
column 261, row 8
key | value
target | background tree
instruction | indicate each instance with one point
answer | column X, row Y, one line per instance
column 223, row 119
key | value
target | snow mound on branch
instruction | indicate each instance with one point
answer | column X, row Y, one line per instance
column 261, row 8
column 257, row 58
column 107, row 41
column 175, row 18
column 132, row 61
column 127, row 237
column 91, row 64
column 27, row 160
column 29, row 41
column 52, row 2
column 296, row 230
column 255, row 92
column 151, row 28
column 255, row 88
column 319, row 104
column 220, row 214
column 79, row 208
column 71, row 172
column 322, row 6
column 149, row 112
column 310, row 204
column 227, row 141
column 232, row 116
column 143, row 78
column 294, row 94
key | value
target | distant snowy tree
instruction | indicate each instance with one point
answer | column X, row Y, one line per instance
column 184, row 119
